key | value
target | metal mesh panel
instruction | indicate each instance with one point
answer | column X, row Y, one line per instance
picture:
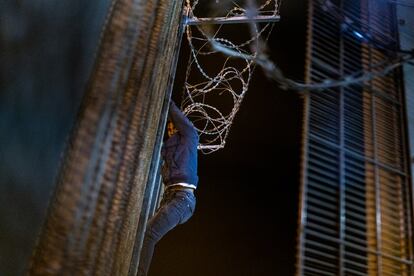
column 355, row 213
column 93, row 215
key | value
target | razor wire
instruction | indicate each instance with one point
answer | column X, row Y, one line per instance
column 272, row 70
column 216, row 83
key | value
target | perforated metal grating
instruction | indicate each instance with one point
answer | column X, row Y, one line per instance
column 356, row 200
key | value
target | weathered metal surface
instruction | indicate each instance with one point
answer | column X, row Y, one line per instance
column 93, row 215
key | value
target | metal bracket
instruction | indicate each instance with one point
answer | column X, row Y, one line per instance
column 231, row 20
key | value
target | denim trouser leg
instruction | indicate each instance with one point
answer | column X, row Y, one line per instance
column 176, row 208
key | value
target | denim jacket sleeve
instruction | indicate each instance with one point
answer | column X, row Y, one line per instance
column 182, row 123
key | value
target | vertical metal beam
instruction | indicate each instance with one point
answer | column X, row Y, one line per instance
column 305, row 154
column 375, row 157
column 156, row 192
column 341, row 164
column 152, row 192
column 407, row 42
column 93, row 216
column 406, row 199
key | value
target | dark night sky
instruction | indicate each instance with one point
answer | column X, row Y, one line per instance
column 246, row 215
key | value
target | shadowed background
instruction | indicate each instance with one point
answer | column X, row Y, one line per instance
column 46, row 52
column 246, row 217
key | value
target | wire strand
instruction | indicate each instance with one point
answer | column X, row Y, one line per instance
column 211, row 98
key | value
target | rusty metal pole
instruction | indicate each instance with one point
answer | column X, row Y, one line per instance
column 94, row 212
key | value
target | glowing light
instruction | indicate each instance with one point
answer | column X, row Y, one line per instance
column 357, row 34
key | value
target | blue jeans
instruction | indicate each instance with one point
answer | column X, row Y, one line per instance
column 176, row 208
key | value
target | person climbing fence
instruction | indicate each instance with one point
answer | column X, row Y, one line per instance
column 179, row 174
